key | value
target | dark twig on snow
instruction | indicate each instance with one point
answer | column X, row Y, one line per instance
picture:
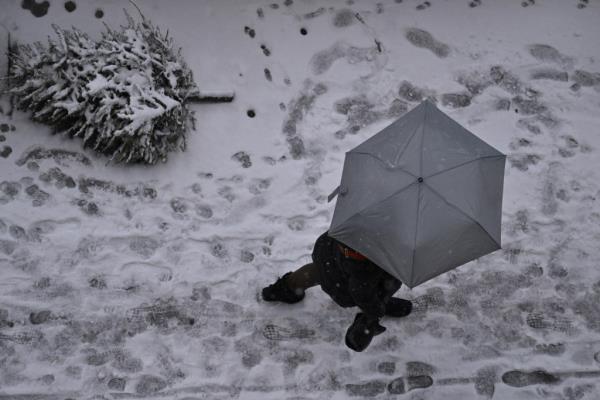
column 205, row 97
column 371, row 32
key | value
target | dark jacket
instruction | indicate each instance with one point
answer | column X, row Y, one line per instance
column 350, row 282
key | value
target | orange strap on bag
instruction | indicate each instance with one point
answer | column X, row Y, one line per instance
column 349, row 253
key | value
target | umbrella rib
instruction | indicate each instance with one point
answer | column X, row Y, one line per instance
column 380, row 201
column 463, row 213
column 399, row 156
column 422, row 140
column 465, row 163
column 396, row 158
column 412, row 267
column 383, row 162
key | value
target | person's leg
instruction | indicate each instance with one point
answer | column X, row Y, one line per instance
column 304, row 277
column 394, row 306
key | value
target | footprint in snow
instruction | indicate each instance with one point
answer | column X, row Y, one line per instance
column 411, row 93
column 386, row 367
column 265, row 50
column 58, row 177
column 204, row 211
column 530, row 125
column 538, row 320
column 367, row 389
column 523, row 162
column 547, row 53
column 157, row 273
column 419, row 368
column 246, row 256
column 456, row 100
column 406, row 384
column 249, row 31
column 550, row 74
column 6, row 151
column 60, row 156
column 88, row 207
column 423, row 6
column 516, row 378
column 179, row 205
column 519, row 143
column 258, row 186
column 274, row 332
column 39, row 197
column 268, row 75
column 243, row 158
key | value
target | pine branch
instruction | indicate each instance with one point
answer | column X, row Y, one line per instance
column 11, row 100
column 140, row 11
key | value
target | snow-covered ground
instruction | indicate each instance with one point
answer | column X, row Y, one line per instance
column 133, row 282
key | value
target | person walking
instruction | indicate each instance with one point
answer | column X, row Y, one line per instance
column 351, row 280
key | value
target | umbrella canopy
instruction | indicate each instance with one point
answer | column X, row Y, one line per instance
column 421, row 197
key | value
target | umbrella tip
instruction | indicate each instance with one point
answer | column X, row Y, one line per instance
column 420, row 179
column 429, row 101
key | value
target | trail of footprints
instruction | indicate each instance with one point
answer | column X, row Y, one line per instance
column 420, row 375
column 524, row 100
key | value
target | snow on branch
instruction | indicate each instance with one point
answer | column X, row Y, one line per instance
column 125, row 94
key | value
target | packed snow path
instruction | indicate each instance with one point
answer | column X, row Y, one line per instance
column 131, row 282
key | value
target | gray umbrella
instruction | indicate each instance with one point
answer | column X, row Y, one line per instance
column 421, row 197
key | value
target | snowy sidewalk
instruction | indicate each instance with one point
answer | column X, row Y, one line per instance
column 142, row 282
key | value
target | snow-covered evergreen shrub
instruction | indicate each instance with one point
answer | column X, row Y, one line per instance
column 124, row 95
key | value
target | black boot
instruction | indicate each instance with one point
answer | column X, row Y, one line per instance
column 362, row 331
column 280, row 291
column 396, row 307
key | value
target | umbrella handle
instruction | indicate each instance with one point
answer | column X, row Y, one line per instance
column 335, row 192
column 342, row 191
